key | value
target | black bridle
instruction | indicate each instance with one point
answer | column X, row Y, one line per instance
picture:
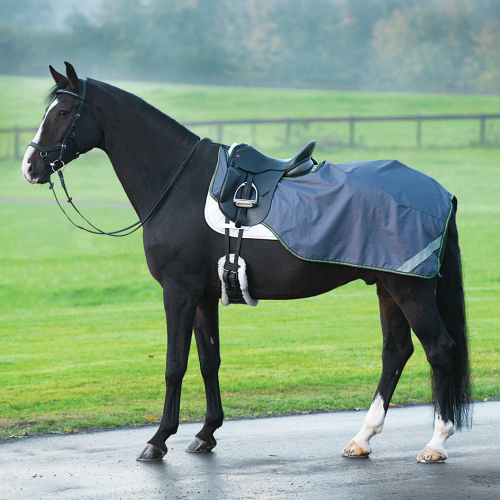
column 70, row 135
column 58, row 166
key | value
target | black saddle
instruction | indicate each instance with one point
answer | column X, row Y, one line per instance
column 251, row 179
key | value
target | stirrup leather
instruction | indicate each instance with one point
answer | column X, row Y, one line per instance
column 230, row 271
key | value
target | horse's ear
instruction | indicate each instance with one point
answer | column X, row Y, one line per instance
column 71, row 74
column 56, row 75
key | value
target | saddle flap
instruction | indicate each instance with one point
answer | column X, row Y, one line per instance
column 251, row 179
column 235, row 177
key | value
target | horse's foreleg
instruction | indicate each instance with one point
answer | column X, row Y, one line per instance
column 397, row 349
column 206, row 330
column 180, row 309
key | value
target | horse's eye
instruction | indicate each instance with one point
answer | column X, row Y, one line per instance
column 62, row 113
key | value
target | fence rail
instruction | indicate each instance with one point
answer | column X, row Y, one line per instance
column 288, row 122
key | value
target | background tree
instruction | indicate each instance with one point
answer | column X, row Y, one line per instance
column 418, row 45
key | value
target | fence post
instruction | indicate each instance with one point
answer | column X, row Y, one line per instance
column 219, row 131
column 351, row 132
column 481, row 136
column 419, row 131
column 288, row 130
column 16, row 143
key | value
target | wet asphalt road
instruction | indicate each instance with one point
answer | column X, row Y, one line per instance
column 275, row 458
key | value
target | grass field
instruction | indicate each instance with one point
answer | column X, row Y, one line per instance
column 198, row 103
column 82, row 334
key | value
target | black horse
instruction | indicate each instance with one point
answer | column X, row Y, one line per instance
column 146, row 148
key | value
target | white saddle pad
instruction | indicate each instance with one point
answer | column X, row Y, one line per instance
column 216, row 220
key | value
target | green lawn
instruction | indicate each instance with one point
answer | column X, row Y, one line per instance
column 197, row 102
column 82, row 334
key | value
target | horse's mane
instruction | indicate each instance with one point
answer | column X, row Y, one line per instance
column 160, row 115
column 53, row 91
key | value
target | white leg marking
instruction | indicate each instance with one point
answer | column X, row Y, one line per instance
column 26, row 164
column 442, row 431
column 374, row 422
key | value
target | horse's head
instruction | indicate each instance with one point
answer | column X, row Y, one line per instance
column 68, row 129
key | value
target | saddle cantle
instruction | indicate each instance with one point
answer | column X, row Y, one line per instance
column 251, row 179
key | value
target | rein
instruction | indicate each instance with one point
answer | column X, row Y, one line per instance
column 58, row 166
column 133, row 227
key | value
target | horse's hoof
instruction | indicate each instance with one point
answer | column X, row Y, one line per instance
column 353, row 450
column 430, row 456
column 197, row 445
column 151, row 453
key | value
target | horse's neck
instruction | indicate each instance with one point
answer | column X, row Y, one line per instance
column 145, row 146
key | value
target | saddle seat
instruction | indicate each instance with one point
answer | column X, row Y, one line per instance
column 251, row 179
column 250, row 159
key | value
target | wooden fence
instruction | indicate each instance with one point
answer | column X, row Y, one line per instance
column 18, row 148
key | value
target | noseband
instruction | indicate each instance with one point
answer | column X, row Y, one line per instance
column 59, row 163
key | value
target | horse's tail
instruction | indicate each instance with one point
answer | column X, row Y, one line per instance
column 451, row 306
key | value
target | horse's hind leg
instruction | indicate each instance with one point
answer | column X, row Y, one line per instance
column 438, row 346
column 418, row 302
column 206, row 330
column 397, row 349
